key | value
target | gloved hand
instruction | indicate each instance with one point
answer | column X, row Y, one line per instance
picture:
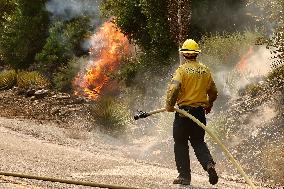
column 170, row 108
column 208, row 109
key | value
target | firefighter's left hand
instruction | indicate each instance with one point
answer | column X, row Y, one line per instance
column 170, row 108
column 208, row 109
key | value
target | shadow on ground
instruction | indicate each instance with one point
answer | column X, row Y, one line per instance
column 192, row 187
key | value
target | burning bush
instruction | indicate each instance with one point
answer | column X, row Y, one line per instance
column 108, row 46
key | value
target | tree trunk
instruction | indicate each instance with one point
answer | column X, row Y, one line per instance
column 179, row 16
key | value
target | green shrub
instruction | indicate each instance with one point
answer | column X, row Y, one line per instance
column 110, row 113
column 253, row 89
column 226, row 49
column 23, row 31
column 62, row 80
column 127, row 70
column 277, row 75
column 64, row 42
column 7, row 79
column 31, row 80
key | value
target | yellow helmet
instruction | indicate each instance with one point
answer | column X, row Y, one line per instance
column 190, row 46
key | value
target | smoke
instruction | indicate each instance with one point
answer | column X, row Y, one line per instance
column 67, row 9
column 252, row 118
column 220, row 16
column 250, row 70
column 259, row 63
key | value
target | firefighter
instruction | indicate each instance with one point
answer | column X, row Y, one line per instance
column 192, row 88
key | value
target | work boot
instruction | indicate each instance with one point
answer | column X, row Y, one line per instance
column 182, row 180
column 213, row 177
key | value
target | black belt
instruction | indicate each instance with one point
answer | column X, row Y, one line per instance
column 190, row 108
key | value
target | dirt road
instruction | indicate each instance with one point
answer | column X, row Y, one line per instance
column 44, row 149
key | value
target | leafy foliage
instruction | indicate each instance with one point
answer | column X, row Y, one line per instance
column 226, row 49
column 18, row 40
column 127, row 71
column 66, row 74
column 63, row 43
column 219, row 16
column 54, row 52
column 153, row 26
column 6, row 9
column 143, row 23
column 155, row 23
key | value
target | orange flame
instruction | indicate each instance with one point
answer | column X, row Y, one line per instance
column 108, row 46
column 243, row 63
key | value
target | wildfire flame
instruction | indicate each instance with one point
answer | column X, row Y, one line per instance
column 108, row 46
column 243, row 63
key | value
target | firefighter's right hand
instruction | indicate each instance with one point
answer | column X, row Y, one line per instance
column 170, row 108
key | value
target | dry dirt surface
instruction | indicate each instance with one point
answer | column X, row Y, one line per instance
column 44, row 149
column 49, row 105
column 48, row 135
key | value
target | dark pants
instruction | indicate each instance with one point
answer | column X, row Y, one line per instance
column 185, row 129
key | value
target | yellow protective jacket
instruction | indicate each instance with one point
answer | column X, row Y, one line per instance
column 192, row 85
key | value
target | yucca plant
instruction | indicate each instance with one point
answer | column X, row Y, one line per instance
column 110, row 113
column 31, row 80
column 7, row 79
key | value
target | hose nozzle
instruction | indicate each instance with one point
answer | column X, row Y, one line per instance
column 141, row 114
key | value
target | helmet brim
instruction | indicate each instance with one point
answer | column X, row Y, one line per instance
column 189, row 51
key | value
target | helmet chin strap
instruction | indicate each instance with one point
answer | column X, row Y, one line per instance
column 190, row 57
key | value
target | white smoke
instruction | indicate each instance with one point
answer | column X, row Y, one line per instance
column 68, row 9
column 259, row 63
column 231, row 81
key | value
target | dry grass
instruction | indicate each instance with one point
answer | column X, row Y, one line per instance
column 7, row 79
column 111, row 113
column 273, row 156
column 23, row 79
column 31, row 80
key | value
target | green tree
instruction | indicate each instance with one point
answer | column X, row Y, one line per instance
column 55, row 51
column 144, row 22
column 154, row 24
column 63, row 43
column 219, row 16
column 6, row 8
column 23, row 31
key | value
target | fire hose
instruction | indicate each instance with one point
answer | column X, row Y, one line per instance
column 64, row 181
column 142, row 114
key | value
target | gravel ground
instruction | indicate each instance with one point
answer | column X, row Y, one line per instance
column 51, row 137
column 44, row 149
